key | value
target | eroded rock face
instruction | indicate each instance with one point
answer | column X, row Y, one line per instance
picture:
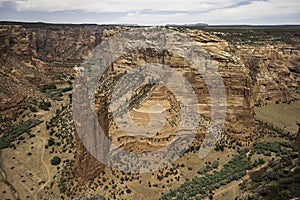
column 237, row 81
column 273, row 69
column 49, row 43
column 88, row 166
column 33, row 55
column 235, row 74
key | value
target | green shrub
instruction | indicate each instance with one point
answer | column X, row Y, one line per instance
column 48, row 87
column 45, row 105
column 215, row 164
column 55, row 160
column 128, row 190
column 67, row 89
column 33, row 109
column 205, row 169
column 57, row 112
column 51, row 142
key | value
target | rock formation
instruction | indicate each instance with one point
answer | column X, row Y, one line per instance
column 88, row 166
column 35, row 54
column 50, row 43
column 273, row 69
column 236, row 76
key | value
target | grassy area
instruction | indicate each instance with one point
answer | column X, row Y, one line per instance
column 17, row 131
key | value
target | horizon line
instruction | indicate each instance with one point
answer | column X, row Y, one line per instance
column 201, row 24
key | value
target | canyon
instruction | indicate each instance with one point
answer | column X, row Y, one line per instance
column 34, row 56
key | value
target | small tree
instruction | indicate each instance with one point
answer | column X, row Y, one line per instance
column 51, row 142
column 215, row 164
column 128, row 190
column 55, row 160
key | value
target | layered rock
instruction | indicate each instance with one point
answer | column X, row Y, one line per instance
column 34, row 55
column 90, row 142
column 273, row 70
column 235, row 75
column 51, row 43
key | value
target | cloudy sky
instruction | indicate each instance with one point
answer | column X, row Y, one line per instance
column 152, row 12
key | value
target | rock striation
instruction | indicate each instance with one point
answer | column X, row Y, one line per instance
column 87, row 165
column 50, row 43
column 273, row 70
column 235, row 75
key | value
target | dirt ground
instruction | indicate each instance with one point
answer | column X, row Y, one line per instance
column 30, row 174
column 28, row 168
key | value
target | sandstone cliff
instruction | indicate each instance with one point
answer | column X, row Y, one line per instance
column 50, row 43
column 33, row 55
column 273, row 69
column 235, row 74
column 88, row 166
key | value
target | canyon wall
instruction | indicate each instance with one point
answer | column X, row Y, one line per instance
column 235, row 75
column 34, row 55
column 87, row 165
column 273, row 69
column 49, row 43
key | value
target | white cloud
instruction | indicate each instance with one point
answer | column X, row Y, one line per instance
column 121, row 5
column 255, row 12
column 155, row 12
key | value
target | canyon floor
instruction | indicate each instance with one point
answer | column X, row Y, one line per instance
column 32, row 176
column 283, row 116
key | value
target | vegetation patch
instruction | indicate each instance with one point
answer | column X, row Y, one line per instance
column 266, row 148
column 55, row 160
column 200, row 187
column 17, row 131
column 55, row 93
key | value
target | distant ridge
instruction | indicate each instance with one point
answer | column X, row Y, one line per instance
column 28, row 24
column 197, row 25
column 189, row 25
column 43, row 24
